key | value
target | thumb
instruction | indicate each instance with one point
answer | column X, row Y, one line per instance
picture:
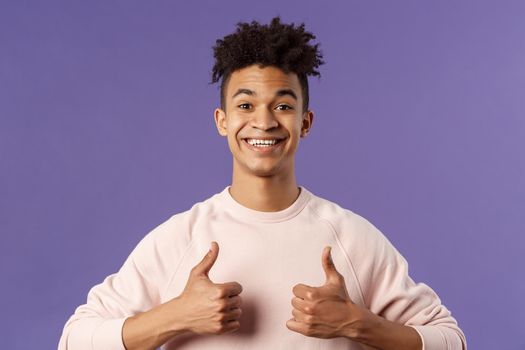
column 332, row 275
column 203, row 268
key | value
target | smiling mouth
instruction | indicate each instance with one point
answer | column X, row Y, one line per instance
column 263, row 146
column 262, row 143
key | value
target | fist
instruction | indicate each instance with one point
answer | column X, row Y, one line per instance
column 210, row 308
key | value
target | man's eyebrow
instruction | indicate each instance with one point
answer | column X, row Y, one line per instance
column 243, row 91
column 289, row 92
column 282, row 92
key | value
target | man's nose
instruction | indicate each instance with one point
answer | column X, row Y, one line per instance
column 264, row 119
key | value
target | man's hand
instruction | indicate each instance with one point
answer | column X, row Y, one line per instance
column 210, row 308
column 326, row 311
column 203, row 307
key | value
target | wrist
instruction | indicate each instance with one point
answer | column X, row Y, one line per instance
column 173, row 320
column 381, row 333
column 363, row 326
column 152, row 328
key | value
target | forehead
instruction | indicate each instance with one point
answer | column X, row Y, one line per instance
column 262, row 80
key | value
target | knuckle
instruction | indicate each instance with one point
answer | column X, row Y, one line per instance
column 315, row 307
column 233, row 301
column 217, row 328
column 311, row 294
column 309, row 319
column 309, row 332
column 218, row 293
column 309, row 309
column 235, row 312
column 220, row 305
column 219, row 318
column 223, row 328
column 233, row 326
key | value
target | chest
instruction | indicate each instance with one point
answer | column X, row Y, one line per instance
column 267, row 260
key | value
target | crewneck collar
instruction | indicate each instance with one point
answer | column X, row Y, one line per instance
column 246, row 214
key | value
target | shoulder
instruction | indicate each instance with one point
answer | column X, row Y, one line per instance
column 343, row 221
column 357, row 235
column 175, row 234
column 181, row 223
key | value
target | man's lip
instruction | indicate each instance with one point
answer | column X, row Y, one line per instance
column 279, row 140
column 264, row 138
column 269, row 149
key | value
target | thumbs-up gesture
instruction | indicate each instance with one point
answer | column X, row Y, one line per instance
column 326, row 311
column 210, row 308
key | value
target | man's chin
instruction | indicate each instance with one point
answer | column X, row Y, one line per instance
column 264, row 171
column 261, row 169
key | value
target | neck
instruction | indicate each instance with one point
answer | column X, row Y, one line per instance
column 264, row 193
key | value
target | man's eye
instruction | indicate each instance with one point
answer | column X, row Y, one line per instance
column 283, row 107
column 244, row 106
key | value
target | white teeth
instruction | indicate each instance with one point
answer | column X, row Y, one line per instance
column 261, row 143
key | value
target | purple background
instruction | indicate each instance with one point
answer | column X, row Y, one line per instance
column 106, row 130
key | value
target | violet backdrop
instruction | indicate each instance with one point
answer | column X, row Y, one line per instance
column 106, row 130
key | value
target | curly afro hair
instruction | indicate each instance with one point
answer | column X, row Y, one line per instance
column 281, row 45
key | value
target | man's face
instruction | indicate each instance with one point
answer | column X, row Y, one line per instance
column 265, row 105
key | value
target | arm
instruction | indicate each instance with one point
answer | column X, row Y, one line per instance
column 124, row 312
column 383, row 334
column 394, row 313
column 202, row 308
column 136, row 288
column 328, row 312
column 150, row 329
column 390, row 293
column 97, row 324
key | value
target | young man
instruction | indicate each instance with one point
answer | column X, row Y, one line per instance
column 312, row 275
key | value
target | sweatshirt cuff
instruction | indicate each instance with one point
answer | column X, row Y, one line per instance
column 431, row 337
column 436, row 338
column 108, row 335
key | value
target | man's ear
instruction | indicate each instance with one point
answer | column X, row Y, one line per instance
column 306, row 124
column 220, row 121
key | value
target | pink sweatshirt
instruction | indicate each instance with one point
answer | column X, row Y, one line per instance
column 267, row 253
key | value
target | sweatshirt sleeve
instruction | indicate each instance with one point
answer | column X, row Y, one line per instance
column 388, row 291
column 135, row 288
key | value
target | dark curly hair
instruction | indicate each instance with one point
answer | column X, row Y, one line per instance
column 281, row 45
